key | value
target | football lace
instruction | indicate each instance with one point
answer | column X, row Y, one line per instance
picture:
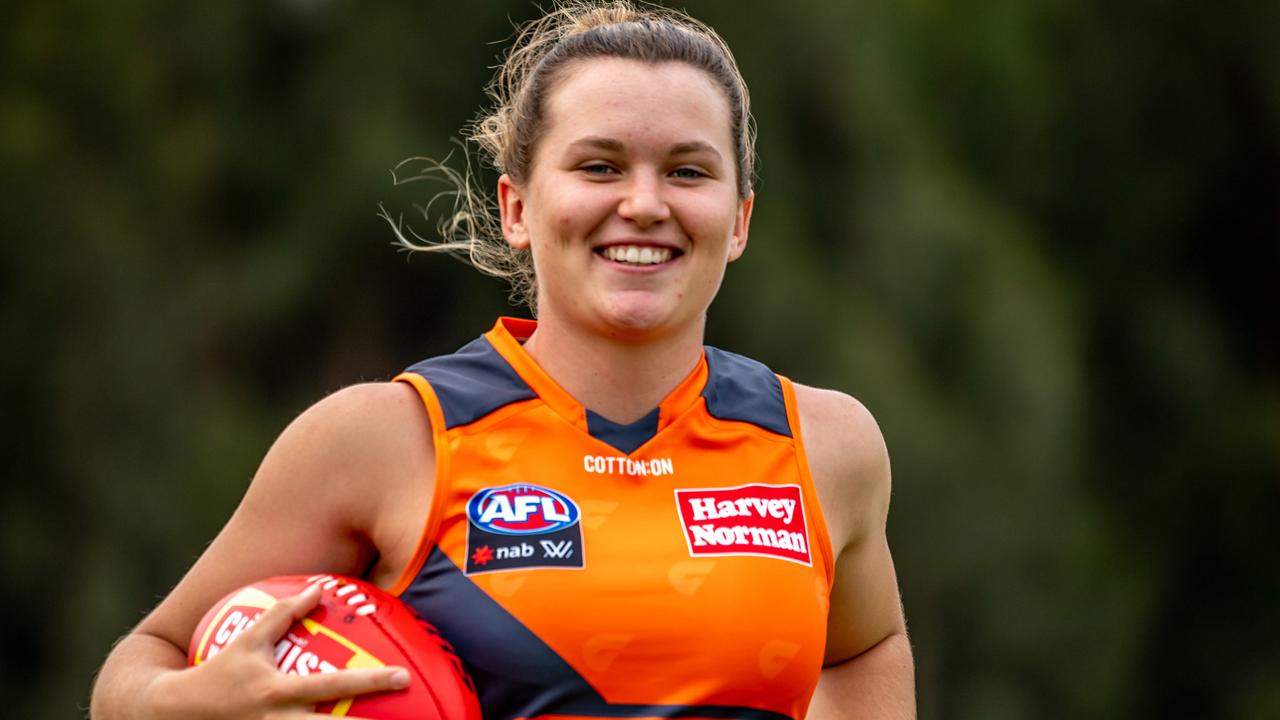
column 348, row 591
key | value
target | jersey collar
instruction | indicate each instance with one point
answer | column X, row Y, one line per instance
column 507, row 337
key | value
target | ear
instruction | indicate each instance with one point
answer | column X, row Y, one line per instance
column 741, row 224
column 511, row 208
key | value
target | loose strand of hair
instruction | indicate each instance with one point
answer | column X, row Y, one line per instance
column 470, row 231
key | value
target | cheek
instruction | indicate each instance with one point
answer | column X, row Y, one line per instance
column 565, row 225
column 569, row 216
column 713, row 224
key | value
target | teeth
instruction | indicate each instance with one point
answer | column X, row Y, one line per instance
column 636, row 255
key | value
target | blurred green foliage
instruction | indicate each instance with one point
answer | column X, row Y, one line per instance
column 1039, row 240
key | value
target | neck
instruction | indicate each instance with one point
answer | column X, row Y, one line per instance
column 620, row 379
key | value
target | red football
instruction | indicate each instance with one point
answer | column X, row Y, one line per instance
column 355, row 625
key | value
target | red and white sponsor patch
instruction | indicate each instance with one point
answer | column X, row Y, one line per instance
column 765, row 520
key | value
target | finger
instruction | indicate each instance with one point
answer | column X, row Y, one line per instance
column 273, row 623
column 311, row 689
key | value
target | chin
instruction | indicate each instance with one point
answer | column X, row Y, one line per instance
column 640, row 316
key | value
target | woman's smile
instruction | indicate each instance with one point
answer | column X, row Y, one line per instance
column 634, row 255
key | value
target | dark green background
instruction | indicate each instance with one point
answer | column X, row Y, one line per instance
column 1040, row 240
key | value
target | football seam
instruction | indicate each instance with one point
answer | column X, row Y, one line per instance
column 409, row 658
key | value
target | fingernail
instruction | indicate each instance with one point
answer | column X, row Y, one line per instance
column 400, row 679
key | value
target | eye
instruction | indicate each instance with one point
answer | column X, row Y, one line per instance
column 688, row 173
column 597, row 169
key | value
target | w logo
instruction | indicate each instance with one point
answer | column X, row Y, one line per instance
column 562, row 549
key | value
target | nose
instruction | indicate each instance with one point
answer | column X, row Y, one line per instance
column 643, row 199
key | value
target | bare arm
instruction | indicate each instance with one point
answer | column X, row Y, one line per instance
column 869, row 671
column 328, row 497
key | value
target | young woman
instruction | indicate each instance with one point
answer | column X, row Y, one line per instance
column 704, row 538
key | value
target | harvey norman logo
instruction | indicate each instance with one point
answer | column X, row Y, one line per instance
column 765, row 520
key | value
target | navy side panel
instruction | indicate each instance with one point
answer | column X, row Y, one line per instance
column 623, row 437
column 739, row 388
column 516, row 674
column 473, row 382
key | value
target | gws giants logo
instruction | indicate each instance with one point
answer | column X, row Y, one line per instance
column 515, row 527
column 764, row 520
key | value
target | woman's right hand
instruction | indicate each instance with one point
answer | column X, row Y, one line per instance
column 242, row 680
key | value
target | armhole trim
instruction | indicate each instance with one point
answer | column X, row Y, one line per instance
column 819, row 517
column 439, row 485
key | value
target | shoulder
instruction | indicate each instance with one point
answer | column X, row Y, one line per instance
column 362, row 437
column 364, row 410
column 357, row 423
column 848, row 460
column 330, row 495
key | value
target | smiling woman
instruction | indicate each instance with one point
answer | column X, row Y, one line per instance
column 604, row 517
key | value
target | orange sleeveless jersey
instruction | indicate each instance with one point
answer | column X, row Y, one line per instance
column 678, row 566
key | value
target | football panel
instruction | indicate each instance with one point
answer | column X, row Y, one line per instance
column 348, row 631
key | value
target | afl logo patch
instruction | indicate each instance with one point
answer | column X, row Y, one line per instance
column 522, row 510
column 517, row 527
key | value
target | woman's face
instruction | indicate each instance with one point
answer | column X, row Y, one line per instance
column 631, row 206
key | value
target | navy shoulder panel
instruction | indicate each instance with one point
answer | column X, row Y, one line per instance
column 739, row 388
column 473, row 382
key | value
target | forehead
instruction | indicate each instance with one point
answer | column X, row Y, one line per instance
column 638, row 102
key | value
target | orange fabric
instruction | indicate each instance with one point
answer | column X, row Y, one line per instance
column 650, row 622
column 439, row 486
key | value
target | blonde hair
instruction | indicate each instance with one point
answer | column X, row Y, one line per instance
column 507, row 136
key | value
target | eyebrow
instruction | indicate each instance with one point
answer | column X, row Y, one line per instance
column 598, row 143
column 695, row 146
column 611, row 145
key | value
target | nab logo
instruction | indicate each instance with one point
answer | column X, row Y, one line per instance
column 522, row 510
